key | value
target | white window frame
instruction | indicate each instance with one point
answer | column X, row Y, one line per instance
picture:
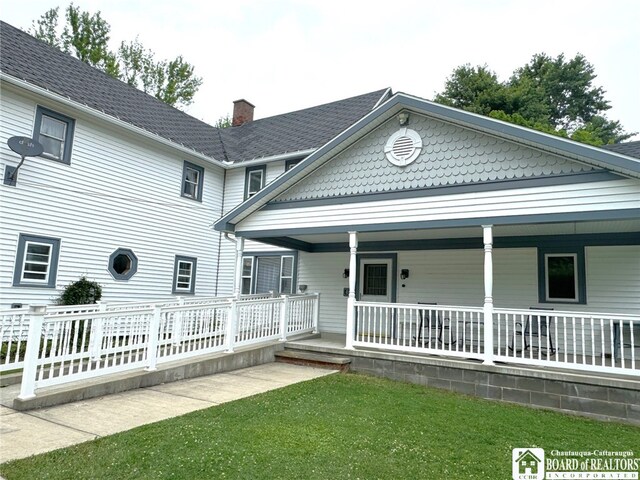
column 262, row 171
column 198, row 184
column 250, row 276
column 25, row 262
column 548, row 298
column 24, row 242
column 177, row 276
column 255, row 256
column 284, row 277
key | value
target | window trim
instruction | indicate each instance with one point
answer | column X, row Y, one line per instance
column 52, row 271
column 254, row 269
column 192, row 281
column 289, row 164
column 580, row 278
column 247, row 176
column 188, row 165
column 68, row 137
column 283, row 277
column 250, row 276
column 132, row 270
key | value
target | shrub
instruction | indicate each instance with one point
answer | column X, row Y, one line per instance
column 80, row 292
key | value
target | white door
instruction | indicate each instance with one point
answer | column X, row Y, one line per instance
column 375, row 285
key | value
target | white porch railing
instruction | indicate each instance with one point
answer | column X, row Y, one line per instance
column 83, row 343
column 596, row 342
column 437, row 329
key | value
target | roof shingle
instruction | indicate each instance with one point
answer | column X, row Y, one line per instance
column 37, row 63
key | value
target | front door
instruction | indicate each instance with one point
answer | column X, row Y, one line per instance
column 375, row 284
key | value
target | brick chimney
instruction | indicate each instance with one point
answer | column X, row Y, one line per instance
column 242, row 112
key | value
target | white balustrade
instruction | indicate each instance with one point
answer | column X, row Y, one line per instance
column 81, row 342
column 439, row 329
column 597, row 342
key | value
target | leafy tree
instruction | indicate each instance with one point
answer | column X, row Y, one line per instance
column 86, row 37
column 223, row 122
column 80, row 292
column 553, row 95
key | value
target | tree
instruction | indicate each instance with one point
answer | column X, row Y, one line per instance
column 86, row 37
column 223, row 122
column 553, row 95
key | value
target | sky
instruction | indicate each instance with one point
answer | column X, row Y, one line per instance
column 285, row 55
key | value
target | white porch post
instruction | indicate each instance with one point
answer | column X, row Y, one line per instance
column 488, row 294
column 237, row 287
column 30, row 369
column 351, row 301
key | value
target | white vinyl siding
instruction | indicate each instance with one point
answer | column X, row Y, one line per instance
column 455, row 277
column 233, row 196
column 585, row 197
column 93, row 208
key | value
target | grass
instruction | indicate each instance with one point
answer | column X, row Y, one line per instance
column 335, row 427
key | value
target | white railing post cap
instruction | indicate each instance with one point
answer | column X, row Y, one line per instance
column 37, row 309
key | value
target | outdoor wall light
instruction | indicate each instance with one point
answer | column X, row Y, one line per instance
column 403, row 118
column 302, row 288
column 404, row 273
column 345, row 274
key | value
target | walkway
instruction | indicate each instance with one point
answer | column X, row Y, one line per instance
column 28, row 433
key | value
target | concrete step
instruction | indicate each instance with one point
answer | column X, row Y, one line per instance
column 300, row 357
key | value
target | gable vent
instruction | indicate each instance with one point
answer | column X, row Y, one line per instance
column 403, row 147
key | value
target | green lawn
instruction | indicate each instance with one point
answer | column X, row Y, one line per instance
column 335, row 427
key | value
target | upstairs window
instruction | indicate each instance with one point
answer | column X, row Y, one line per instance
column 55, row 132
column 184, row 274
column 192, row 181
column 254, row 180
column 36, row 262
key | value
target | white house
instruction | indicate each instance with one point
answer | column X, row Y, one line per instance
column 422, row 203
column 128, row 188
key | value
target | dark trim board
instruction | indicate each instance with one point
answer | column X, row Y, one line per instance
column 498, row 185
column 546, row 241
column 623, row 214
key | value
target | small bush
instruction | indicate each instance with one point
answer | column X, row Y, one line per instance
column 80, row 292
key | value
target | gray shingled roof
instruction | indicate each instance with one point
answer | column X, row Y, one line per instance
column 35, row 62
column 295, row 131
column 630, row 149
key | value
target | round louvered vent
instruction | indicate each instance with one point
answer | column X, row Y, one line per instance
column 403, row 147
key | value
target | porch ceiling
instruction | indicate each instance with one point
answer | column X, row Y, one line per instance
column 628, row 231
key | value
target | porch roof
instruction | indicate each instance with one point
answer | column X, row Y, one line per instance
column 599, row 158
column 432, row 237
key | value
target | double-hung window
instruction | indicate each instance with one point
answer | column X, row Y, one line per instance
column 55, row 132
column 36, row 261
column 561, row 276
column 192, row 181
column 254, row 180
column 184, row 274
column 264, row 273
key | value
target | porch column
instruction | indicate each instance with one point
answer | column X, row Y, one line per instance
column 237, row 287
column 488, row 294
column 351, row 301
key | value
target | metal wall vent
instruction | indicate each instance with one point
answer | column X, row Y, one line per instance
column 403, row 147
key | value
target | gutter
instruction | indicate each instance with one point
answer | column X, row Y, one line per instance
column 107, row 118
column 272, row 158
